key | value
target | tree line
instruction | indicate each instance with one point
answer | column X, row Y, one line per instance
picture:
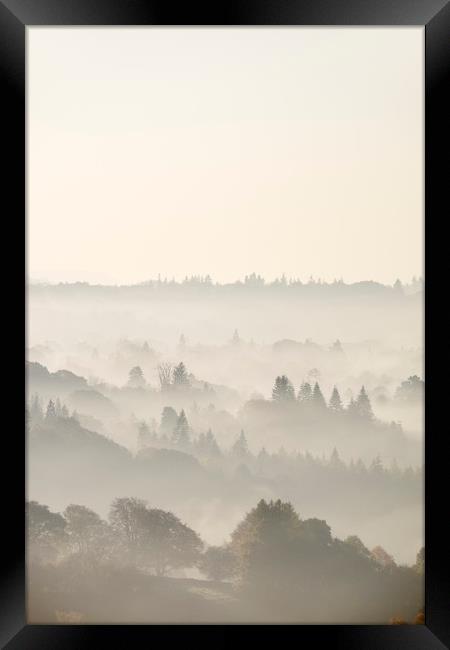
column 250, row 281
column 312, row 396
column 174, row 432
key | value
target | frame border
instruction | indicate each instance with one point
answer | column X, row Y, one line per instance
column 434, row 15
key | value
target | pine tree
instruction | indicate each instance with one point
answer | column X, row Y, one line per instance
column 335, row 401
column 240, row 448
column 51, row 411
column 317, row 398
column 363, row 405
column 180, row 376
column 180, row 435
column 335, row 460
column 283, row 390
column 305, row 392
column 64, row 411
column 235, row 340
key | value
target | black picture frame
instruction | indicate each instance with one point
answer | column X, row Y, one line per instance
column 434, row 15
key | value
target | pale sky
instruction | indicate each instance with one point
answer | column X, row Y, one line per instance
column 223, row 151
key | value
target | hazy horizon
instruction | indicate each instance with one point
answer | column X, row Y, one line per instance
column 236, row 280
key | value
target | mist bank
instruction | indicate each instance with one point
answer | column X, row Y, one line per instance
column 307, row 417
column 211, row 486
column 207, row 312
column 202, row 399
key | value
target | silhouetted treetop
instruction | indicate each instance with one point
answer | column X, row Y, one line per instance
column 335, row 401
column 283, row 389
column 136, row 377
column 180, row 376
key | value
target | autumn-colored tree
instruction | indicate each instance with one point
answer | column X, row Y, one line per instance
column 382, row 557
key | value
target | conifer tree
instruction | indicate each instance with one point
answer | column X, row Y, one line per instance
column 283, row 390
column 305, row 392
column 363, row 405
column 335, row 401
column 180, row 435
column 180, row 376
column 335, row 460
column 51, row 411
column 240, row 447
column 317, row 398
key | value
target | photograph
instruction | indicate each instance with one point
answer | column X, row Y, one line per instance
column 225, row 325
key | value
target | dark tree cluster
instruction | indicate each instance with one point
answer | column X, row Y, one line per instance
column 280, row 567
column 312, row 397
column 134, row 535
